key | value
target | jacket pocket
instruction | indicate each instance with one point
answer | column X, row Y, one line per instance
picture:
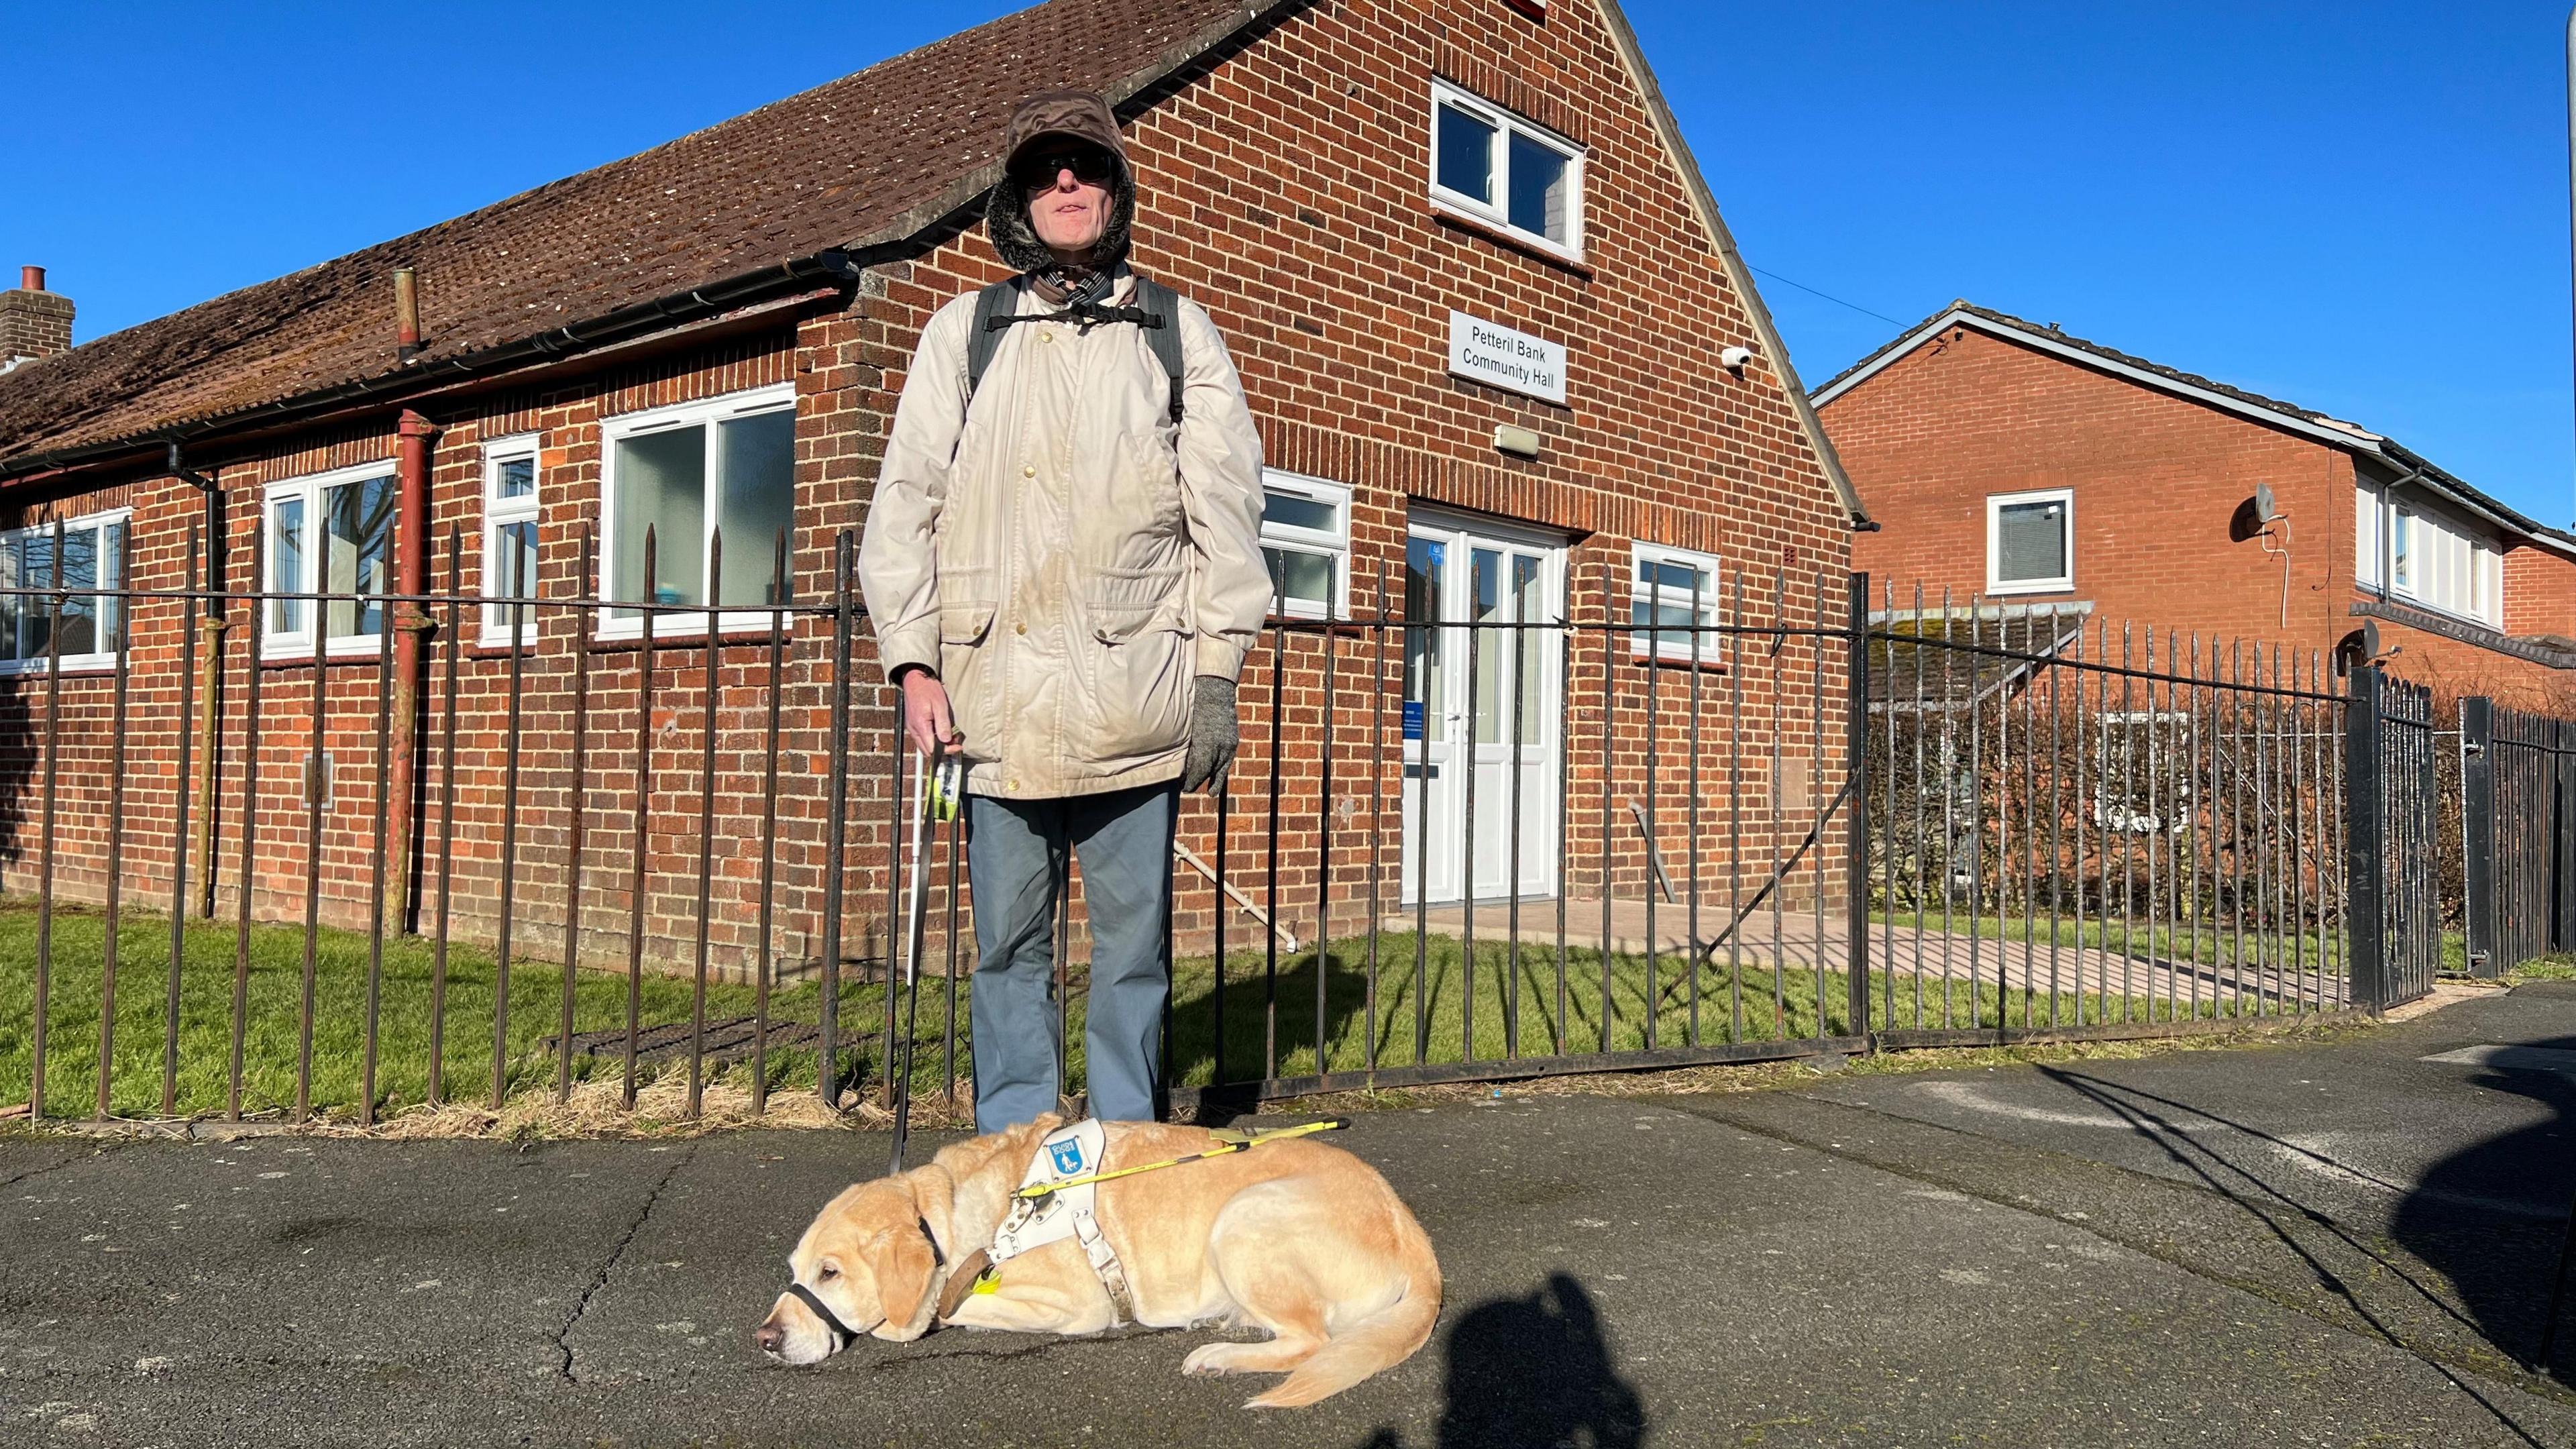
column 965, row 623
column 1121, row 603
column 1138, row 696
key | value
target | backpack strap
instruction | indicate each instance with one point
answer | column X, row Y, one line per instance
column 998, row 305
column 1163, row 337
column 998, row 301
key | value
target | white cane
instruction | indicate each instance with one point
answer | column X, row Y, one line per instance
column 929, row 796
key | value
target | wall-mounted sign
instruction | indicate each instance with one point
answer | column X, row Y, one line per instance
column 1503, row 357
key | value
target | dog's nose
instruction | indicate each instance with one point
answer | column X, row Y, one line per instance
column 770, row 1337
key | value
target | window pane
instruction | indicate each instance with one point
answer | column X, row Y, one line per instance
column 2030, row 541
column 1292, row 511
column 661, row 485
column 1540, row 188
column 1488, row 609
column 1529, row 606
column 13, row 608
column 1669, row 616
column 2401, row 565
column 286, row 564
column 1466, row 159
column 514, row 478
column 361, row 519
column 1301, row 577
column 758, row 456
column 79, row 613
column 516, row 569
column 1677, row 579
column 37, row 627
column 1426, row 569
column 111, row 574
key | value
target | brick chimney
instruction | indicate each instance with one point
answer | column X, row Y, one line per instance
column 33, row 322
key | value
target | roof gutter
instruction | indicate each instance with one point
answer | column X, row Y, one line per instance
column 2434, row 480
column 835, row 267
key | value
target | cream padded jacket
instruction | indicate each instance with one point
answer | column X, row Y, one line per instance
column 1059, row 553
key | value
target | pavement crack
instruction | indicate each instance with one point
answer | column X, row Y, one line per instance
column 599, row 1280
column 15, row 1178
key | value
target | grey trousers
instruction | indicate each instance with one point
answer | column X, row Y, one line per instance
column 1013, row 853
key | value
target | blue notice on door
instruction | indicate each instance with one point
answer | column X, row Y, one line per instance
column 1413, row 719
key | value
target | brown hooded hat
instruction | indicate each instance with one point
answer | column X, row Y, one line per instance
column 1081, row 116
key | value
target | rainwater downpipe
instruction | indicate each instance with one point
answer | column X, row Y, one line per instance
column 412, row 623
column 212, row 624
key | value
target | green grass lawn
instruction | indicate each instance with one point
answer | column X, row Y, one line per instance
column 1420, row 1014
column 272, row 1031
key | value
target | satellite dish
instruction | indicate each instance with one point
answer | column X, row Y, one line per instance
column 2264, row 509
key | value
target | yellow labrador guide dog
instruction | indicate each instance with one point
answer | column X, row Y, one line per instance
column 1293, row 1237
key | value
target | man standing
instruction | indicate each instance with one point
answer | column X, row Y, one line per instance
column 1063, row 563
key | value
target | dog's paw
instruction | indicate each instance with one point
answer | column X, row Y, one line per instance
column 1207, row 1361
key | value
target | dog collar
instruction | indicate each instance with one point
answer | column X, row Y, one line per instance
column 832, row 1321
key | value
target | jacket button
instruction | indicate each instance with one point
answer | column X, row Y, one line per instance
column 1021, row 627
column 1048, row 333
column 1028, row 470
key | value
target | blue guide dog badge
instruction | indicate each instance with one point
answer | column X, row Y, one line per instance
column 1067, row 1156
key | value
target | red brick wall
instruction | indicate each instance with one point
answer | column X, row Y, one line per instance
column 1285, row 191
column 2158, row 481
column 2539, row 593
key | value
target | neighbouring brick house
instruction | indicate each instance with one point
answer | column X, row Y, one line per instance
column 2014, row 465
column 1365, row 194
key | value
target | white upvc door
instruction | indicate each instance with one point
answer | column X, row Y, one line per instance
column 1482, row 726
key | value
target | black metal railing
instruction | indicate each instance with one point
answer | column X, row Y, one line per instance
column 1493, row 821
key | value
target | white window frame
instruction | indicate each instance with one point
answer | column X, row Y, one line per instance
column 1497, row 213
column 1996, row 583
column 2370, row 517
column 1676, row 648
column 779, row 397
column 298, row 644
column 2441, row 567
column 94, row 659
column 500, row 513
column 1334, row 545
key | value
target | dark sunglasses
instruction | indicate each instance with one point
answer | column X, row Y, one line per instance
column 1089, row 165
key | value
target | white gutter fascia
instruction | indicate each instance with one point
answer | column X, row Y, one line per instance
column 2354, row 438
column 2355, row 441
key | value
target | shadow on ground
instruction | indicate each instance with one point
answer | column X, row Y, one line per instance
column 2504, row 1265
column 2472, row 1226
column 1533, row 1372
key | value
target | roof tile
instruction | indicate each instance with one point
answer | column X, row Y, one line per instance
column 789, row 180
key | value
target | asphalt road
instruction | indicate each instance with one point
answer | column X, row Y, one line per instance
column 2334, row 1244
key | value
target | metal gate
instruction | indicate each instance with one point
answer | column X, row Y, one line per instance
column 2518, row 773
column 2396, row 893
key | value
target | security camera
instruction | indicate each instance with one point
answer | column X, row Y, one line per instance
column 1734, row 358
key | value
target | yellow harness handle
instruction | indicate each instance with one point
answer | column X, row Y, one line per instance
column 1228, row 1143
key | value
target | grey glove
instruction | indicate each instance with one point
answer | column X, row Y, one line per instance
column 1214, row 733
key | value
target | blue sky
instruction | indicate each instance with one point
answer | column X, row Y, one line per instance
column 2360, row 206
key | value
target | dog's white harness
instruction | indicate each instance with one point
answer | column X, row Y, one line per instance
column 1041, row 1215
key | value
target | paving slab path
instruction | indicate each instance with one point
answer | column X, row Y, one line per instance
column 2320, row 1244
column 2015, row 953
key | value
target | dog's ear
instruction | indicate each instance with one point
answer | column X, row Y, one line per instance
column 934, row 1195
column 902, row 1266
